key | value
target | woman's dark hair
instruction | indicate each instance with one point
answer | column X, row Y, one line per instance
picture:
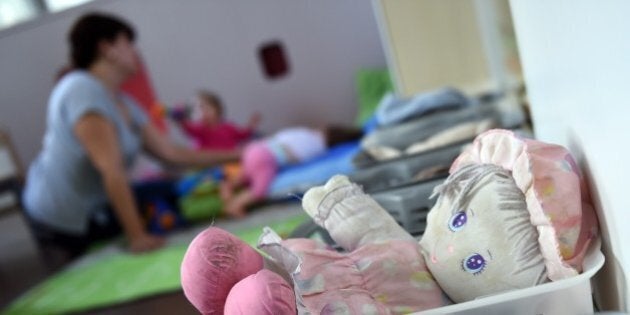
column 213, row 100
column 89, row 30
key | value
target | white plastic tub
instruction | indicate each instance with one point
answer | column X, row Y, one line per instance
column 569, row 296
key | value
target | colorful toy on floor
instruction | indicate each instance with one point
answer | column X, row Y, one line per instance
column 202, row 203
column 191, row 181
column 161, row 217
column 199, row 195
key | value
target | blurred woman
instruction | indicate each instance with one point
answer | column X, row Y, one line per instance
column 77, row 189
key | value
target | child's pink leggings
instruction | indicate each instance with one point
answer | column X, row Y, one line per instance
column 259, row 167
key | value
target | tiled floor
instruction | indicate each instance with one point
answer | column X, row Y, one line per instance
column 21, row 267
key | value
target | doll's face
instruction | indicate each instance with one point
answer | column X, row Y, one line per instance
column 479, row 241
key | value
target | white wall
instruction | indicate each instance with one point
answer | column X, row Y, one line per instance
column 576, row 63
column 208, row 44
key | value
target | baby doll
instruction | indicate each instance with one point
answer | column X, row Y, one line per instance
column 514, row 213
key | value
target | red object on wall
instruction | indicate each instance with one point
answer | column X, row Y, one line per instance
column 140, row 88
column 273, row 60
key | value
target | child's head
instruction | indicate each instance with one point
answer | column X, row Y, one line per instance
column 334, row 134
column 210, row 107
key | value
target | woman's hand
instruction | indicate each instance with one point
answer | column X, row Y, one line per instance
column 145, row 243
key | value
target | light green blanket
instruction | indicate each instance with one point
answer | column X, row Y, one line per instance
column 111, row 276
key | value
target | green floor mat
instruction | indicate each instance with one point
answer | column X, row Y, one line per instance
column 115, row 278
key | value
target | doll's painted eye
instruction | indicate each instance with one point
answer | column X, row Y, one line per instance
column 474, row 264
column 457, row 221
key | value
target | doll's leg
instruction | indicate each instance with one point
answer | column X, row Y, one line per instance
column 351, row 217
column 264, row 292
column 214, row 262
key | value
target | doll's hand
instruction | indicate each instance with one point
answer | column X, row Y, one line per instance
column 145, row 243
column 352, row 217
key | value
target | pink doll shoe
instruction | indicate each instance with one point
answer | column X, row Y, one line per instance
column 262, row 293
column 214, row 262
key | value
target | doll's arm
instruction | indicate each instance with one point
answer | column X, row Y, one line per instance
column 352, row 218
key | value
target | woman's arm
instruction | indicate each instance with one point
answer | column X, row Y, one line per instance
column 188, row 127
column 164, row 149
column 97, row 135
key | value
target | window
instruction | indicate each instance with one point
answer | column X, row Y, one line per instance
column 13, row 12
column 16, row 11
column 60, row 5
